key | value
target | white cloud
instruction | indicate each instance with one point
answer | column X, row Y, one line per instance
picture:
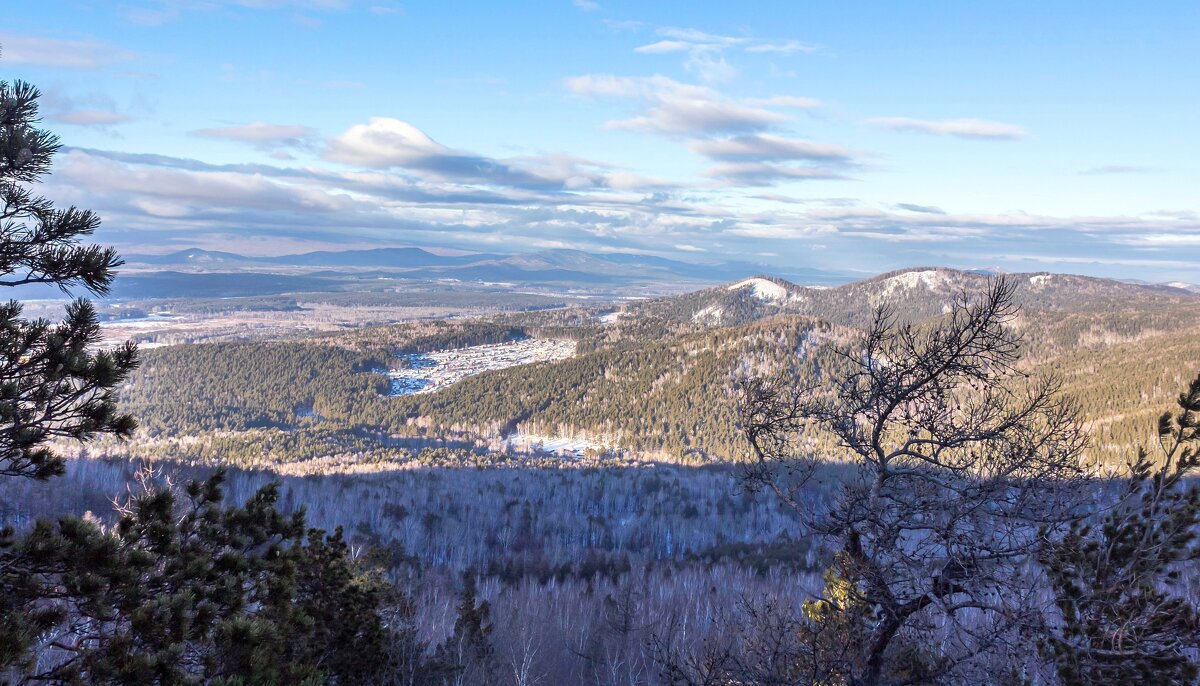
column 1164, row 240
column 675, row 108
column 747, row 153
column 93, row 109
column 629, row 181
column 698, row 37
column 384, row 142
column 768, row 173
column 385, row 10
column 919, row 235
column 755, row 159
column 156, row 12
column 792, row 101
column 921, row 209
column 782, row 231
column 709, row 66
column 582, row 204
column 677, row 115
column 178, row 192
column 59, row 54
column 786, row 47
column 962, row 128
column 765, row 146
column 705, row 50
column 586, row 5
column 663, row 46
column 619, row 86
column 93, row 118
column 621, row 24
column 263, row 136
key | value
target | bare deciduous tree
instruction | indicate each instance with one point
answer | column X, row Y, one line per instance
column 959, row 459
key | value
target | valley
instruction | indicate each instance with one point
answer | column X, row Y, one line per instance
column 588, row 343
column 585, row 462
column 650, row 380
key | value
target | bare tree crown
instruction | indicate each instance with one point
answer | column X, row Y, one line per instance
column 959, row 458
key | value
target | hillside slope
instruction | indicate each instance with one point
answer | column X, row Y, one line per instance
column 654, row 379
column 914, row 294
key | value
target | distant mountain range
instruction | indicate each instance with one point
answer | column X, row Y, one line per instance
column 912, row 293
column 559, row 265
column 379, row 257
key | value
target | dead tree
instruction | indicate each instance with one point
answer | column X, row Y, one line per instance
column 959, row 459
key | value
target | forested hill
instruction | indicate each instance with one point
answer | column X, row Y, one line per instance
column 653, row 380
column 914, row 294
column 273, row 402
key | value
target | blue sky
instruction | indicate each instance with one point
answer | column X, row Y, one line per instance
column 853, row 137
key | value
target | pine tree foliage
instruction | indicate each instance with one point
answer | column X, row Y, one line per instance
column 51, row 384
column 184, row 589
column 468, row 654
column 1117, row 580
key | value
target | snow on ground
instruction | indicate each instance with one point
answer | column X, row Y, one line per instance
column 549, row 444
column 429, row 372
column 1185, row 286
column 710, row 313
column 611, row 317
column 148, row 322
column 764, row 289
column 930, row 278
column 1040, row 280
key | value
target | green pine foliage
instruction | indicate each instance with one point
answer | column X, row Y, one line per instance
column 468, row 652
column 273, row 403
column 51, row 385
column 1118, row 579
column 184, row 589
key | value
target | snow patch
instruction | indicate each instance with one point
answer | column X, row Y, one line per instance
column 710, row 313
column 1040, row 280
column 931, row 279
column 763, row 289
column 555, row 445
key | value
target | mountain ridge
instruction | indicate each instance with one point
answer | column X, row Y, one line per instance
column 915, row 293
column 556, row 264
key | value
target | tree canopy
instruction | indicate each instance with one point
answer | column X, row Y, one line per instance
column 52, row 382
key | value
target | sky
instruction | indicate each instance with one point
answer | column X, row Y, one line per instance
column 851, row 137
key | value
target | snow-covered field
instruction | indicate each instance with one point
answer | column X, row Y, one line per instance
column 931, row 279
column 428, row 372
column 555, row 445
column 763, row 289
